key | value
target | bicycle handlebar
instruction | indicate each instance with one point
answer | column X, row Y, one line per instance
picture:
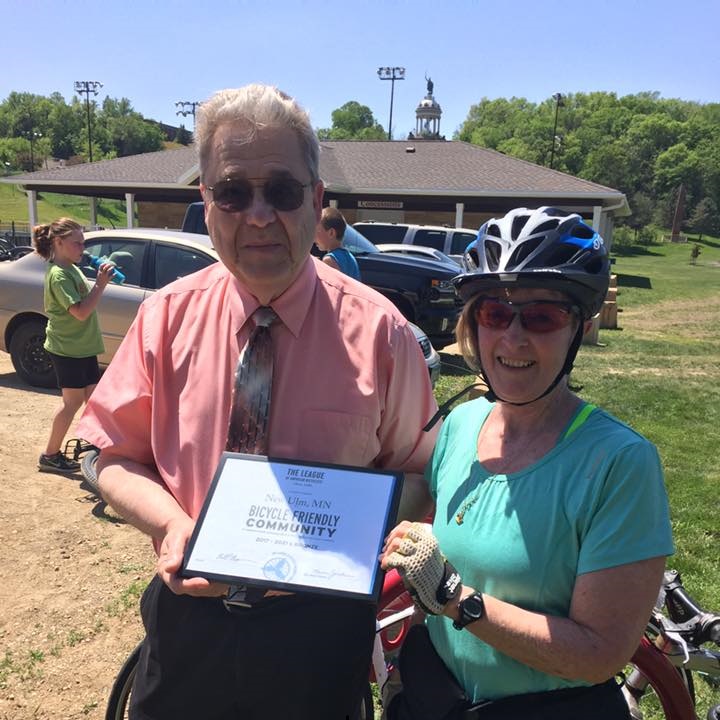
column 699, row 625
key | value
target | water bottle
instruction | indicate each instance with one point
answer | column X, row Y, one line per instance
column 116, row 277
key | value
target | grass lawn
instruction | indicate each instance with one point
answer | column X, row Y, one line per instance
column 14, row 206
column 660, row 373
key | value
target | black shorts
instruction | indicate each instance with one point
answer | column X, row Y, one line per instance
column 297, row 657
column 75, row 373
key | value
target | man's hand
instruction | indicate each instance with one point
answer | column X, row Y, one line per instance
column 430, row 579
column 169, row 562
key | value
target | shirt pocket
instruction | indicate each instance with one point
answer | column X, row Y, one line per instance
column 336, row 437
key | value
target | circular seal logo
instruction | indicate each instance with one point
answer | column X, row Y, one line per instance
column 280, row 567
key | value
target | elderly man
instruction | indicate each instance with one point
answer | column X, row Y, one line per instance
column 349, row 386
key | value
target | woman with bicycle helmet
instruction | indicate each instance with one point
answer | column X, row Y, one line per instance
column 551, row 525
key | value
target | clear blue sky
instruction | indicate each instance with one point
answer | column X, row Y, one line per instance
column 325, row 53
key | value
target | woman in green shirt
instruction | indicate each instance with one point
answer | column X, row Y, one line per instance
column 73, row 338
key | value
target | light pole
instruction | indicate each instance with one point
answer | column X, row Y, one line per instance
column 558, row 98
column 187, row 107
column 31, row 136
column 392, row 74
column 85, row 87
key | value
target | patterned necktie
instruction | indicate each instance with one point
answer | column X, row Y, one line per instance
column 248, row 428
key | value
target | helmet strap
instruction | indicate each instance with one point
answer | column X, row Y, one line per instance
column 567, row 367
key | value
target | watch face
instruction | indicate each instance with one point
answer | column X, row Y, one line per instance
column 472, row 607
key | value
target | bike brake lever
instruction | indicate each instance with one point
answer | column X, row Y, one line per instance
column 677, row 638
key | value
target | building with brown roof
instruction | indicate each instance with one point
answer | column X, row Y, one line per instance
column 417, row 181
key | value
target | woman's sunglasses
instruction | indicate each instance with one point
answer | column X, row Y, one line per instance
column 542, row 316
column 236, row 194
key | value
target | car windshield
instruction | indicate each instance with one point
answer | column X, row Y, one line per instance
column 356, row 243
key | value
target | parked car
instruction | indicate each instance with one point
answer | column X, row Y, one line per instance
column 449, row 240
column 149, row 259
column 418, row 251
column 420, row 288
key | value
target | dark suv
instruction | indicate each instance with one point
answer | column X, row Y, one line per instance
column 420, row 288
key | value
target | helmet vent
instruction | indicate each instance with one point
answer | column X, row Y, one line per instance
column 581, row 230
column 518, row 224
column 547, row 226
column 493, row 251
column 523, row 251
column 493, row 230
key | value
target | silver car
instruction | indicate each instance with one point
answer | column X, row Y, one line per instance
column 149, row 259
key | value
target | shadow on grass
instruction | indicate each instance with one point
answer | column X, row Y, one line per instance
column 706, row 243
column 634, row 250
column 636, row 281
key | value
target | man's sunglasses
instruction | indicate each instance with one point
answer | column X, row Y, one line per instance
column 236, row 194
column 542, row 316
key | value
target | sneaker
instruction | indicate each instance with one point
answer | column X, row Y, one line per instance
column 57, row 463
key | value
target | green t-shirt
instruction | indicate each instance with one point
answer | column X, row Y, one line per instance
column 595, row 501
column 65, row 334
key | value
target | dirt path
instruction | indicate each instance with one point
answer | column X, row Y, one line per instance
column 70, row 575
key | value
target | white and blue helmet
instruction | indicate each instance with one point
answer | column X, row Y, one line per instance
column 543, row 248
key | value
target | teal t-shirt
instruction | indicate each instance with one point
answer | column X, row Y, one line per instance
column 596, row 500
column 66, row 335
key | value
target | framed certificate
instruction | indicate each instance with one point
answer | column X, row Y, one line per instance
column 294, row 526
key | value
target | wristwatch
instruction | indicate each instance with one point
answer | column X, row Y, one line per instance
column 471, row 608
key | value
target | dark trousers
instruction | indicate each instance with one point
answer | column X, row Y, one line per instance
column 598, row 702
column 297, row 657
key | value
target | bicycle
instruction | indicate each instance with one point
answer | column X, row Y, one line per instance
column 671, row 653
column 87, row 454
column 10, row 251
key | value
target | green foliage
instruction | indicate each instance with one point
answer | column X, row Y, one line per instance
column 184, row 136
column 642, row 145
column 60, row 129
column 705, row 218
column 353, row 121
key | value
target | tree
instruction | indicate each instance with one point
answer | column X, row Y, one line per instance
column 353, row 121
column 705, row 219
column 67, row 125
column 641, row 205
column 123, row 131
column 678, row 165
column 184, row 136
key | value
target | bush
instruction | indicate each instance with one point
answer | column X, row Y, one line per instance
column 646, row 236
column 623, row 237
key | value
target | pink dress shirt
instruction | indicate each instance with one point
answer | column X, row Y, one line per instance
column 350, row 384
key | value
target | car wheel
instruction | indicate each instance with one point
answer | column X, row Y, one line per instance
column 29, row 358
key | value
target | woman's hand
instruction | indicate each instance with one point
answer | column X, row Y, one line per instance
column 430, row 579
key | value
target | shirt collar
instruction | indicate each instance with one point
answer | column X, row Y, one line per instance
column 291, row 307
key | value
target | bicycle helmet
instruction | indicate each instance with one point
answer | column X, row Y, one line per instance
column 544, row 248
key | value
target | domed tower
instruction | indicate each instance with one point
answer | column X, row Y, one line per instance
column 427, row 114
